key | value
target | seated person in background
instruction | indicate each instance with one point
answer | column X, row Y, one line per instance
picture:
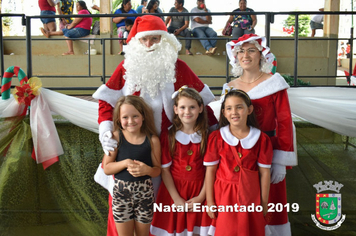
column 153, row 7
column 179, row 24
column 47, row 8
column 80, row 27
column 142, row 7
column 243, row 24
column 128, row 26
column 201, row 29
column 126, row 7
column 65, row 7
column 316, row 22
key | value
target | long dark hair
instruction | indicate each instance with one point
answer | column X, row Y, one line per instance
column 151, row 4
column 84, row 6
column 124, row 2
column 251, row 119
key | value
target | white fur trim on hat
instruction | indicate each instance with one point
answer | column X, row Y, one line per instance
column 230, row 45
column 152, row 32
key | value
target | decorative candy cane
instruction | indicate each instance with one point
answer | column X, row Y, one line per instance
column 6, row 80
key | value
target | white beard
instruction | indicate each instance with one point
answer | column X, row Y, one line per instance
column 149, row 71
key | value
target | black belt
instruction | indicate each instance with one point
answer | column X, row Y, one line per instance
column 270, row 133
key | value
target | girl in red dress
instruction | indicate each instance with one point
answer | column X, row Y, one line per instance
column 182, row 195
column 238, row 161
column 252, row 62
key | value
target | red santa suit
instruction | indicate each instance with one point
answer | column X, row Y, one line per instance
column 161, row 104
column 188, row 173
column 237, row 180
column 271, row 105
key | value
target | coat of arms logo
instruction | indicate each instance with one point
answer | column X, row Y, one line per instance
column 328, row 206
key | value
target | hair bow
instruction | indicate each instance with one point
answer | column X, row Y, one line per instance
column 175, row 94
column 226, row 91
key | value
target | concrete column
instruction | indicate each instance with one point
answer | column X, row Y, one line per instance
column 331, row 22
column 105, row 23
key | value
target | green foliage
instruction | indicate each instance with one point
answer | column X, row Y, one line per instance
column 115, row 4
column 303, row 20
column 7, row 21
column 290, row 81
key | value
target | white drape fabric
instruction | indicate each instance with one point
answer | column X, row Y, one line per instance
column 333, row 108
column 330, row 107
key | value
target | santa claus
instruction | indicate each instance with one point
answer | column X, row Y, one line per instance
column 152, row 70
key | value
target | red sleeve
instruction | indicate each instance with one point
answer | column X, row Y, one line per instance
column 105, row 111
column 212, row 156
column 266, row 150
column 284, row 131
column 116, row 82
column 166, row 157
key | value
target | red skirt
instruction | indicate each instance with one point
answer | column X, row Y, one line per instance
column 246, row 221
column 184, row 223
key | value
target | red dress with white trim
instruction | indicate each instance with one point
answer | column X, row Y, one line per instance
column 237, row 183
column 271, row 106
column 188, row 173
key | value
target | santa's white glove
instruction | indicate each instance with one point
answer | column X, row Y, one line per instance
column 278, row 173
column 107, row 142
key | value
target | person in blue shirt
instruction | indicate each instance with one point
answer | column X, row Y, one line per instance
column 142, row 7
column 126, row 7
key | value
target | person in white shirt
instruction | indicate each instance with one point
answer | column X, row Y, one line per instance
column 316, row 22
column 201, row 29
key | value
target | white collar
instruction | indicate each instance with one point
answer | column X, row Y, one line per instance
column 184, row 138
column 247, row 143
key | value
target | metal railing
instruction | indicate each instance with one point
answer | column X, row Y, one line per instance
column 269, row 19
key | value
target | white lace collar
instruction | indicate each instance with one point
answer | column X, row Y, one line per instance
column 247, row 143
column 184, row 138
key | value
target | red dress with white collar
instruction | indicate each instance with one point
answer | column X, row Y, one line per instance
column 271, row 106
column 188, row 173
column 237, row 180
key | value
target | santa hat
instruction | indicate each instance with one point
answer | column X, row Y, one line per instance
column 245, row 39
column 147, row 25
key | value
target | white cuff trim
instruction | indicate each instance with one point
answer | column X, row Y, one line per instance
column 213, row 163
column 167, row 165
column 284, row 158
column 263, row 165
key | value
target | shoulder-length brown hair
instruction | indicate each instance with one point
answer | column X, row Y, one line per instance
column 201, row 124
